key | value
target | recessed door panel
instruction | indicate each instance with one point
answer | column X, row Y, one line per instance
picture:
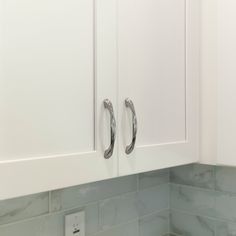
column 47, row 78
column 152, row 67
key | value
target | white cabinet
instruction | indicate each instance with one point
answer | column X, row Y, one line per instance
column 158, row 70
column 57, row 65
column 59, row 61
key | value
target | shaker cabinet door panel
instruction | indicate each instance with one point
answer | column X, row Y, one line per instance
column 53, row 82
column 153, row 44
column 47, row 78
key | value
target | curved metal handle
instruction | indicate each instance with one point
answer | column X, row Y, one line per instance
column 108, row 105
column 129, row 104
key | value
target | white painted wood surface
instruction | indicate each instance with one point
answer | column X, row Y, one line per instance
column 218, row 83
column 57, row 67
column 47, row 78
column 227, row 83
column 158, row 45
column 209, row 82
column 60, row 59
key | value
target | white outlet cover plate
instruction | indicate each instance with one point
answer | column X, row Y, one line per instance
column 75, row 224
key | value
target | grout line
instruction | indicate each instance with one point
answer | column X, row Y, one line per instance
column 137, row 192
column 169, row 170
column 50, row 201
column 138, row 183
column 214, row 174
column 223, row 220
column 203, row 189
column 99, row 215
column 155, row 186
column 49, row 214
column 169, row 196
column 169, row 216
column 173, row 234
column 115, row 226
column 169, row 220
column 192, row 214
column 192, row 187
column 153, row 213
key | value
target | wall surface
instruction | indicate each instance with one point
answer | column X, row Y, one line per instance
column 203, row 200
column 191, row 200
column 128, row 206
column 209, row 81
column 217, row 78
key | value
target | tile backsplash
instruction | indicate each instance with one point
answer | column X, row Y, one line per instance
column 191, row 200
column 203, row 200
column 126, row 206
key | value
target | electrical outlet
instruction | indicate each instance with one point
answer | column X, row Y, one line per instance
column 74, row 224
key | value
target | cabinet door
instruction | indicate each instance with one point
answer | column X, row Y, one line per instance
column 57, row 65
column 158, row 71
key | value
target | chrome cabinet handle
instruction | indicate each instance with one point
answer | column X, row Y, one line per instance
column 108, row 105
column 129, row 104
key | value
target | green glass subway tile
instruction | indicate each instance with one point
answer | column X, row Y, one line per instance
column 51, row 225
column 118, row 210
column 194, row 200
column 153, row 199
column 130, row 229
column 225, row 228
column 225, row 179
column 84, row 194
column 153, row 178
column 194, row 175
column 155, row 224
column 190, row 225
column 23, row 207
